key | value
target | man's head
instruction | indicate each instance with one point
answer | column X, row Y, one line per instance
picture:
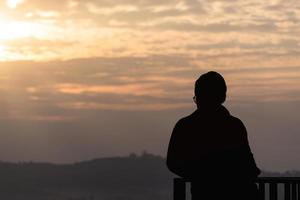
column 210, row 89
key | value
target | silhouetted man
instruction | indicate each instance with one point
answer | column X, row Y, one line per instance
column 210, row 147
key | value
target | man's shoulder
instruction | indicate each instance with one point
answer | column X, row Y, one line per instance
column 236, row 124
column 236, row 120
column 186, row 119
column 192, row 119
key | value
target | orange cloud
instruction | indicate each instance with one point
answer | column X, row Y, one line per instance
column 124, row 107
column 149, row 89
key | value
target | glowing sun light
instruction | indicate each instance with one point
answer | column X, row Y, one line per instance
column 13, row 3
column 2, row 49
column 17, row 29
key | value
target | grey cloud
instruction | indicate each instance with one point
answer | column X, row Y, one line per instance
column 37, row 92
column 92, row 132
column 36, row 83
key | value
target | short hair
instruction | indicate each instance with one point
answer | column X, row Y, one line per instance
column 210, row 88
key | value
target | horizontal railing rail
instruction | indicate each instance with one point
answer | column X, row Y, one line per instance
column 268, row 188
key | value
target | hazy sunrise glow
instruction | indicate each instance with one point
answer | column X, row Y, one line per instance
column 82, row 61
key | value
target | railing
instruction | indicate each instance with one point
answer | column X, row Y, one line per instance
column 268, row 188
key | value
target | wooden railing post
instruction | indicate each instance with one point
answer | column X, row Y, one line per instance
column 273, row 191
column 294, row 191
column 298, row 190
column 179, row 192
column 287, row 191
column 261, row 191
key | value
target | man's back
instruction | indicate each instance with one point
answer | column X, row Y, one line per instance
column 210, row 142
column 210, row 147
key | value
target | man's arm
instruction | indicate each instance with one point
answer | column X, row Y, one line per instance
column 247, row 155
column 175, row 159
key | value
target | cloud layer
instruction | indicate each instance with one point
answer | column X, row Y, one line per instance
column 143, row 28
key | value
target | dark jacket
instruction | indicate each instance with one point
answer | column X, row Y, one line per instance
column 211, row 143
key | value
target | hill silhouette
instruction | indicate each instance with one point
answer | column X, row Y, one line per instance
column 132, row 177
column 141, row 177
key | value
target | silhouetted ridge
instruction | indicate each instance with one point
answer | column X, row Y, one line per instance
column 141, row 177
column 134, row 177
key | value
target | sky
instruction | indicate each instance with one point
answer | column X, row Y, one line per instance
column 81, row 79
